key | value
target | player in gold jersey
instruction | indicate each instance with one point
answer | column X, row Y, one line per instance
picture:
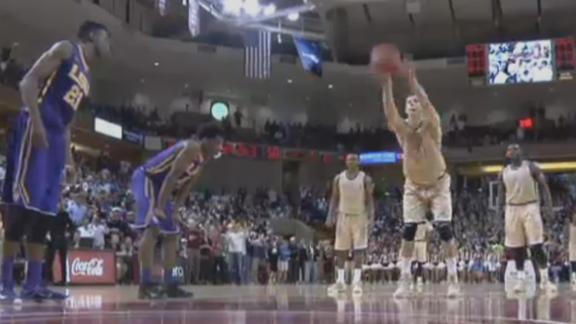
column 521, row 183
column 427, row 185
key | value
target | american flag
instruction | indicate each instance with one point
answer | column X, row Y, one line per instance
column 257, row 49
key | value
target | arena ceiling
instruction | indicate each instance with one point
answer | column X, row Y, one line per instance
column 189, row 67
column 441, row 28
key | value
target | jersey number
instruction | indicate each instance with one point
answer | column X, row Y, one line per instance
column 74, row 96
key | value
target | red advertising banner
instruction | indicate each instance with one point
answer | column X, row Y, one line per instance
column 88, row 267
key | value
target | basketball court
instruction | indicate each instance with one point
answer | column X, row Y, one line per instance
column 481, row 303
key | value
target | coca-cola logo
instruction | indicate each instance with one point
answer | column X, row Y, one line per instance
column 93, row 267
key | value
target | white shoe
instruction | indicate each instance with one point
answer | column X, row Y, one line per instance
column 453, row 288
column 336, row 289
column 403, row 290
column 357, row 289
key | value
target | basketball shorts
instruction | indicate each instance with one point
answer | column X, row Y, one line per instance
column 421, row 251
column 351, row 232
column 419, row 200
column 34, row 176
column 523, row 225
column 572, row 244
column 146, row 194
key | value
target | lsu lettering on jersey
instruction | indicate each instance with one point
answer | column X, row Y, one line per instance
column 35, row 174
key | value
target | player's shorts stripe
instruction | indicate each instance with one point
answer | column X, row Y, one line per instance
column 46, row 87
column 23, row 158
column 149, row 193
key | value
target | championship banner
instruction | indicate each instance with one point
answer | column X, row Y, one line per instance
column 88, row 267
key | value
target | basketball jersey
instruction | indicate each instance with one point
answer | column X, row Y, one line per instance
column 64, row 91
column 521, row 188
column 352, row 194
column 158, row 167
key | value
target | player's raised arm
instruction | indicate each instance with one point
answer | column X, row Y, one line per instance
column 180, row 165
column 428, row 110
column 539, row 176
column 47, row 64
column 395, row 121
column 334, row 200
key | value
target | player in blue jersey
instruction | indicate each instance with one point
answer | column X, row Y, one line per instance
column 160, row 188
column 39, row 151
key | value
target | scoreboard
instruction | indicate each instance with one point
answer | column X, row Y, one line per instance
column 276, row 153
column 521, row 61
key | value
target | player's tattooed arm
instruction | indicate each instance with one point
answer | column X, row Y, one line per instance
column 47, row 64
column 395, row 121
column 334, row 200
column 428, row 110
column 501, row 199
column 369, row 187
column 183, row 160
column 539, row 176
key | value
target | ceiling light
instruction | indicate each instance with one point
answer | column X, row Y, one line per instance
column 252, row 7
column 232, row 7
column 156, row 63
column 330, row 86
column 270, row 9
column 289, row 80
column 293, row 16
column 186, row 85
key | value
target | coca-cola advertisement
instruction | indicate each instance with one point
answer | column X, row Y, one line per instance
column 88, row 267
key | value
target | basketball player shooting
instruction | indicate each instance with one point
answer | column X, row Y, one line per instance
column 160, row 187
column 52, row 91
column 427, row 184
column 519, row 187
column 352, row 211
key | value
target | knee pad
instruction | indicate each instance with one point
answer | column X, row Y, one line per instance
column 409, row 232
column 538, row 254
column 445, row 231
column 15, row 222
column 40, row 224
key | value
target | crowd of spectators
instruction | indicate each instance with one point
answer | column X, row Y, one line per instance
column 11, row 71
column 229, row 238
column 459, row 133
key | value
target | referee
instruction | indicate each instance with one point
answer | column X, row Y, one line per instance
column 62, row 227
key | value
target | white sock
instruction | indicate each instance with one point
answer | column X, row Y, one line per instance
column 357, row 276
column 451, row 267
column 340, row 276
column 544, row 275
column 405, row 265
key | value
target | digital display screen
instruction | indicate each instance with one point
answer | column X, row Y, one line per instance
column 521, row 62
column 384, row 157
column 107, row 128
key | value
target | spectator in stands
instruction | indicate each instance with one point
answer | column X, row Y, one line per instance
column 60, row 231
column 194, row 238
column 236, row 241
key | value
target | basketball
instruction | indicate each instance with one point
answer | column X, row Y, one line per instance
column 385, row 58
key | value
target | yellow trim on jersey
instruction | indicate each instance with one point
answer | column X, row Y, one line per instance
column 83, row 58
column 25, row 152
column 166, row 163
column 46, row 87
